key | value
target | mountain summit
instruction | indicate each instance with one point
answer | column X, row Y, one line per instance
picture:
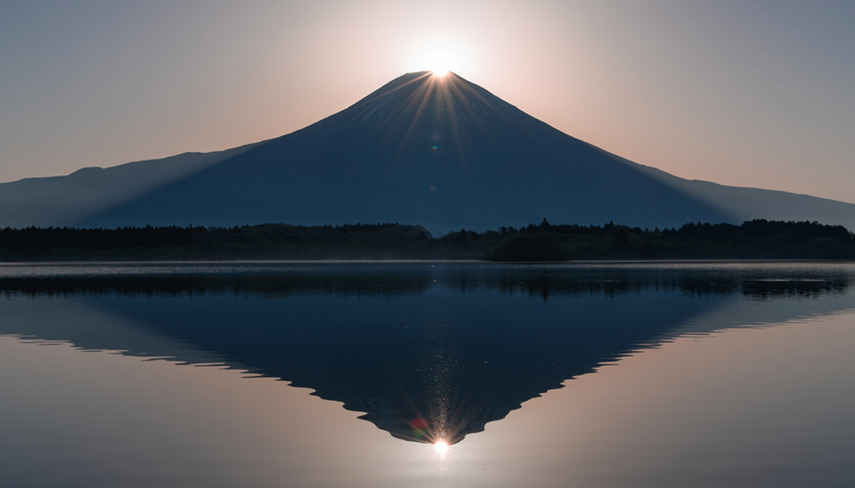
column 423, row 149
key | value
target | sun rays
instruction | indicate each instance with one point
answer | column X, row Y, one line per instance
column 434, row 120
column 446, row 92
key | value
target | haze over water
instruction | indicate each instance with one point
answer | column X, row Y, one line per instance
column 285, row 374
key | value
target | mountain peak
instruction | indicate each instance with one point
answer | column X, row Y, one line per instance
column 414, row 75
column 419, row 96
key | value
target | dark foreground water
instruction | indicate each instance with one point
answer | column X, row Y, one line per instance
column 358, row 375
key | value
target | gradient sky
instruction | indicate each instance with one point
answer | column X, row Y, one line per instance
column 745, row 93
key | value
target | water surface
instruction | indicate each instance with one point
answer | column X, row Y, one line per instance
column 342, row 374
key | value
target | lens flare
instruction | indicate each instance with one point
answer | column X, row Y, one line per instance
column 420, row 428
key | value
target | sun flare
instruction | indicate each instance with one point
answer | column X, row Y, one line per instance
column 441, row 447
column 440, row 56
column 439, row 62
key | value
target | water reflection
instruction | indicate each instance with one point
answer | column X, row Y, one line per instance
column 429, row 353
column 377, row 280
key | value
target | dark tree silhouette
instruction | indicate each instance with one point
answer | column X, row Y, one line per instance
column 544, row 242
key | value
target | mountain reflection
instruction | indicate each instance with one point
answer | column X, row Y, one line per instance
column 427, row 352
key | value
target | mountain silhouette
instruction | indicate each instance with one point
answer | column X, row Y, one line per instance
column 423, row 352
column 437, row 151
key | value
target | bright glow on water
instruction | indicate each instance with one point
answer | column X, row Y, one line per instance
column 441, row 447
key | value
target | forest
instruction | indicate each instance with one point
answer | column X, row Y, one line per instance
column 755, row 239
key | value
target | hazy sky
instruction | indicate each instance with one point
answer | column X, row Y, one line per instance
column 746, row 93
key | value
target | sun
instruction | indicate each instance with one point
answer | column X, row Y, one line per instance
column 440, row 72
column 440, row 55
column 439, row 61
column 441, row 447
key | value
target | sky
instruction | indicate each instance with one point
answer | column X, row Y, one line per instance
column 747, row 93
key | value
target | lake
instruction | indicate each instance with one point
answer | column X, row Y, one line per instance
column 427, row 374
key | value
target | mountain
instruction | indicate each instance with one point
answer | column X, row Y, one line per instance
column 437, row 151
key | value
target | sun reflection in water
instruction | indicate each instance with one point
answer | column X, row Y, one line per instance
column 441, row 448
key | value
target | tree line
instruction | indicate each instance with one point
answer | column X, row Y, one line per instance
column 755, row 239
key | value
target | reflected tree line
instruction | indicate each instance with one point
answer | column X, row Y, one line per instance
column 391, row 282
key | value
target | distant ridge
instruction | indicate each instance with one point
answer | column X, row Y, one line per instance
column 440, row 151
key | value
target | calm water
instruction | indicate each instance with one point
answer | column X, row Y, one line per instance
column 349, row 374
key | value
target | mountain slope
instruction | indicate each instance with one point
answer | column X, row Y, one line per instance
column 441, row 152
